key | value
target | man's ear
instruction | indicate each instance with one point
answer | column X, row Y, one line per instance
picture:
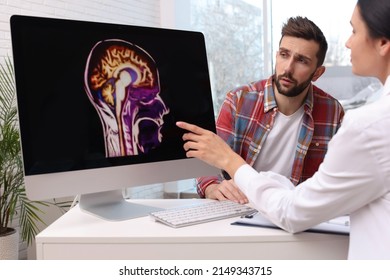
column 318, row 73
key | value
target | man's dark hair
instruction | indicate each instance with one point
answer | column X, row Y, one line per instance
column 301, row 27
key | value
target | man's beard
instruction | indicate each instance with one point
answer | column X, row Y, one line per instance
column 294, row 91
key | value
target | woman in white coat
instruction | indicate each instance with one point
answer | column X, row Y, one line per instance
column 354, row 177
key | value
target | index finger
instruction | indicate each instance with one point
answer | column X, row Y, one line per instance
column 190, row 127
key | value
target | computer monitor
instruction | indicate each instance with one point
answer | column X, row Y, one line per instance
column 98, row 104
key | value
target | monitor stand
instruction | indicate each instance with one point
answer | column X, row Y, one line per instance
column 112, row 206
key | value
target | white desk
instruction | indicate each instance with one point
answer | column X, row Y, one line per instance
column 78, row 235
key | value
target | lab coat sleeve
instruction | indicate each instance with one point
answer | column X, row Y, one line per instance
column 350, row 177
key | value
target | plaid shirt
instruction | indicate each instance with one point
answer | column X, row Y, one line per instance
column 248, row 113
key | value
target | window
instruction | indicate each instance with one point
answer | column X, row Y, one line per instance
column 235, row 39
column 237, row 42
column 242, row 37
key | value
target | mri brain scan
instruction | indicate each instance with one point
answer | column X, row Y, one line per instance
column 122, row 83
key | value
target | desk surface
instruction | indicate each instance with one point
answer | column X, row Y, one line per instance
column 78, row 235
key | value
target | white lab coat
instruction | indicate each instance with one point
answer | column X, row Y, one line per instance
column 354, row 179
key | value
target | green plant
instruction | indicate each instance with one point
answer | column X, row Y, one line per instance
column 13, row 199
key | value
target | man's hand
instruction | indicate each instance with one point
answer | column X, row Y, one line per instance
column 226, row 190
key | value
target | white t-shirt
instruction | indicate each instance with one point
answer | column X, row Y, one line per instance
column 354, row 179
column 278, row 152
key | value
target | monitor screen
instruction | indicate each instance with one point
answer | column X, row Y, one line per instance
column 98, row 103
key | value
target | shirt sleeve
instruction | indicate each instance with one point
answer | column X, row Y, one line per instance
column 350, row 177
column 225, row 126
column 202, row 184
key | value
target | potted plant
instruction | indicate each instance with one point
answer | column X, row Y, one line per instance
column 13, row 200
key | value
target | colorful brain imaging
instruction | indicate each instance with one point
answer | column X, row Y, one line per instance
column 122, row 83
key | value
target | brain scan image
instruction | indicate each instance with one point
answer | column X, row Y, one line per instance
column 122, row 83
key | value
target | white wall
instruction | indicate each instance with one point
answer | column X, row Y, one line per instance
column 132, row 12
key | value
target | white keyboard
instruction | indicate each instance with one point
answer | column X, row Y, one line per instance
column 201, row 213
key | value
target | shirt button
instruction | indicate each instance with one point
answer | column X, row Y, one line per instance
column 317, row 144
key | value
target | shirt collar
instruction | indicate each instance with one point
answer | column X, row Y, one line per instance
column 309, row 101
column 386, row 87
column 270, row 101
column 269, row 96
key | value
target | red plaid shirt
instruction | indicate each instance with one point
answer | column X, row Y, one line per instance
column 247, row 115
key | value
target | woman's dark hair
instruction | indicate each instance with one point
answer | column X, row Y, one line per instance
column 376, row 15
column 301, row 27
